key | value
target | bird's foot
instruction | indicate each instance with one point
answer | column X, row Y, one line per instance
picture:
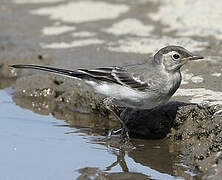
column 114, row 132
column 124, row 131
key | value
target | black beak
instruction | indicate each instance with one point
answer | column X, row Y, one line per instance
column 192, row 58
column 195, row 57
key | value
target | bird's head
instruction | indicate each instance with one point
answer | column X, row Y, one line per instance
column 173, row 57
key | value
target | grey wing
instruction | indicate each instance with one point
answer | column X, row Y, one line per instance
column 118, row 75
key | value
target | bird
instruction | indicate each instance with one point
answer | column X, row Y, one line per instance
column 139, row 86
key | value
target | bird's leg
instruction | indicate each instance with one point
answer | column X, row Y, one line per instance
column 124, row 131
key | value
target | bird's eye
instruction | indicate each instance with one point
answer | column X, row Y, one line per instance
column 176, row 56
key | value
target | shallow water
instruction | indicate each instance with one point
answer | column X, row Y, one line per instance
column 35, row 146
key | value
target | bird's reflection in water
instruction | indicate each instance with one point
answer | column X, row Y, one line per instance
column 120, row 160
column 147, row 159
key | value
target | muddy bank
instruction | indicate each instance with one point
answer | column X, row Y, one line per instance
column 200, row 137
column 195, row 129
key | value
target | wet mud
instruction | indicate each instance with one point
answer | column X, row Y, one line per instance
column 195, row 129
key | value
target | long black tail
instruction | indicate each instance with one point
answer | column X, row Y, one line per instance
column 63, row 72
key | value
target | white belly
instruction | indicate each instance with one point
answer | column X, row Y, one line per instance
column 127, row 97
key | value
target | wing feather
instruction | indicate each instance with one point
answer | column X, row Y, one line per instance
column 117, row 75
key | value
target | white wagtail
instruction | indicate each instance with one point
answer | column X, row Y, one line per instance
column 140, row 86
